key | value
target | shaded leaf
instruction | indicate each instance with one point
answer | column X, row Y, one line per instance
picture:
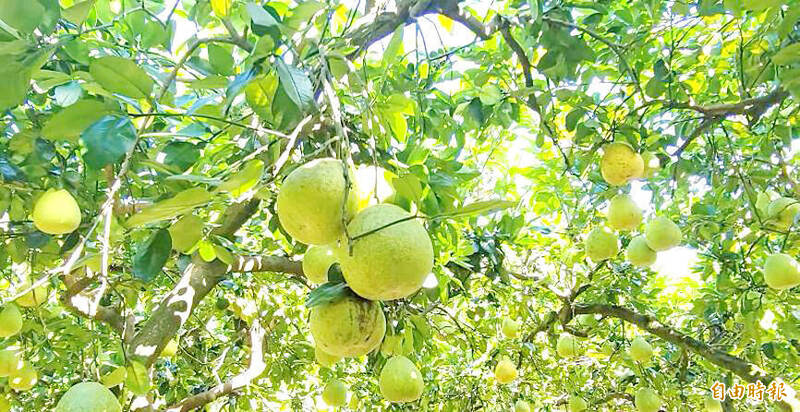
column 175, row 206
column 123, row 76
column 152, row 255
column 108, row 140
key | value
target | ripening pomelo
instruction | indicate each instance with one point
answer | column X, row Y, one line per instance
column 601, row 244
column 647, row 400
column 662, row 234
column 639, row 254
column 577, row 404
column 323, row 358
column 348, row 327
column 623, row 214
column 309, row 203
column 712, row 405
column 34, row 297
column 620, row 163
column 392, row 257
column 335, row 393
column 640, row 350
column 56, row 212
column 782, row 211
column 505, row 371
column 522, row 406
column 510, row 328
column 568, row 346
column 24, row 378
column 10, row 321
column 10, row 362
column 316, row 262
column 781, row 271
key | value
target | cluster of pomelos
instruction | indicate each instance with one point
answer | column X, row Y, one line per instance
column 384, row 253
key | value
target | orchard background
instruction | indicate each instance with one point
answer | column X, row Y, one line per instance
column 173, row 124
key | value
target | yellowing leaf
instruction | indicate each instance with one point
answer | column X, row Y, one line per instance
column 446, row 22
column 221, row 8
column 186, row 232
column 181, row 203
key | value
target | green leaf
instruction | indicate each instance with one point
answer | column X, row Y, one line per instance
column 260, row 16
column 108, row 140
column 482, row 207
column 243, row 180
column 16, row 73
column 221, row 59
column 394, row 48
column 210, row 82
column 787, row 55
column 181, row 155
column 327, row 293
column 221, row 8
column 137, row 379
column 69, row 123
column 296, row 84
column 573, row 117
column 47, row 79
column 408, row 186
column 175, row 206
column 490, row 94
column 152, row 255
column 123, row 76
column 78, row 12
column 22, row 15
column 760, row 5
column 186, row 232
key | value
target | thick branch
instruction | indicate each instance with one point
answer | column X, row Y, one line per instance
column 255, row 369
column 277, row 264
column 85, row 305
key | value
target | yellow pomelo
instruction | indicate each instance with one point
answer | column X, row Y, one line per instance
column 5, row 404
column 391, row 260
column 323, row 358
column 781, row 271
column 309, row 204
column 568, row 346
column 88, row 397
column 10, row 321
column 24, row 378
column 335, row 393
column 647, row 400
column 651, row 164
column 640, row 350
column 186, row 232
column 505, row 371
column 586, row 321
column 56, row 213
column 577, row 404
column 348, row 327
column 35, row 297
column 510, row 328
column 400, row 380
column 10, row 362
column 623, row 214
column 782, row 212
column 171, row 349
column 639, row 254
column 600, row 244
column 712, row 405
column 662, row 234
column 522, row 406
column 115, row 377
column 316, row 262
column 620, row 163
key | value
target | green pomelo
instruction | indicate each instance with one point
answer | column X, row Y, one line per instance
column 783, row 211
column 400, row 380
column 662, row 234
column 10, row 321
column 781, row 271
column 392, row 259
column 522, row 406
column 335, row 393
column 10, row 362
column 56, row 212
column 577, row 404
column 323, row 358
column 309, row 204
column 639, row 254
column 601, row 244
column 647, row 400
column 348, row 327
column 510, row 328
column 623, row 214
column 640, row 350
column 568, row 346
column 316, row 262
column 88, row 397
column 24, row 378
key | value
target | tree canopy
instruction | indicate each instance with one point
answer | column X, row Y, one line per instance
column 609, row 188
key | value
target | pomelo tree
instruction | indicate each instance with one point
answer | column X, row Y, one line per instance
column 540, row 204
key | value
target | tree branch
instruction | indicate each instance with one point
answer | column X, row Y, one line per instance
column 257, row 366
column 88, row 306
column 268, row 263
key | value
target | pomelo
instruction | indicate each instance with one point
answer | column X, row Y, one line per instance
column 568, row 346
column 620, row 163
column 782, row 211
column 781, row 271
column 647, row 400
column 10, row 321
column 88, row 397
column 623, row 214
column 505, row 371
column 586, row 321
column 34, row 297
column 639, row 254
column 323, row 358
column 662, row 234
column 186, row 232
column 316, row 262
column 348, row 327
column 601, row 244
column 712, row 405
column 171, row 349
column 522, row 406
column 576, row 404
column 310, row 201
column 400, row 380
column 56, row 212
column 391, row 260
column 24, row 378
column 335, row 393
column 10, row 362
column 640, row 350
column 510, row 328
